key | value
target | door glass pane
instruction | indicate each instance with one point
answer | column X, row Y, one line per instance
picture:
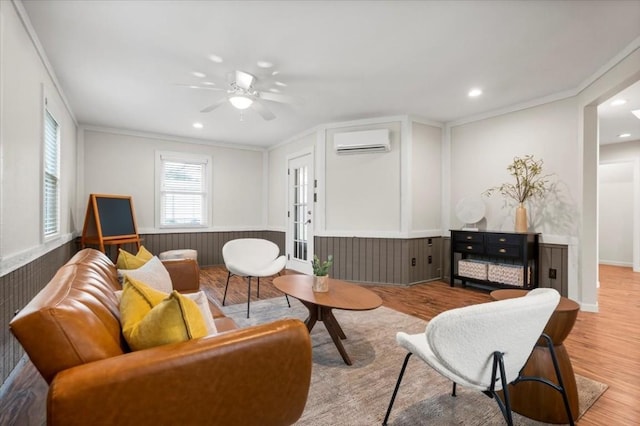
column 300, row 208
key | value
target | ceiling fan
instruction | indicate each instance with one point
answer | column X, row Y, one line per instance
column 242, row 94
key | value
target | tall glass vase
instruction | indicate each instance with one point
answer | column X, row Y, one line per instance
column 521, row 219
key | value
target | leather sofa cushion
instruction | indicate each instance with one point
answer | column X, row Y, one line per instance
column 78, row 316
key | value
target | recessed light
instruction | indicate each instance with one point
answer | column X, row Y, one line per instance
column 215, row 58
column 208, row 83
column 624, row 135
column 474, row 93
column 281, row 84
column 274, row 90
column 618, row 102
column 275, row 72
column 198, row 125
column 636, row 112
column 264, row 64
column 198, row 74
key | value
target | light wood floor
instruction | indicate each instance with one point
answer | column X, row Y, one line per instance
column 603, row 346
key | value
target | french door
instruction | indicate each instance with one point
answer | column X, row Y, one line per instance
column 300, row 213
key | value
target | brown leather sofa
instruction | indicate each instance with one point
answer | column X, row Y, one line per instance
column 71, row 331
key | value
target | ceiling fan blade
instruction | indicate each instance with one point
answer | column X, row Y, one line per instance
column 261, row 109
column 244, row 79
column 197, row 86
column 276, row 97
column 214, row 106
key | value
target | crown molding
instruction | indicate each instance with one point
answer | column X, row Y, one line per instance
column 171, row 138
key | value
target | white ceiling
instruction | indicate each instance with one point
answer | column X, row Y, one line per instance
column 615, row 120
column 120, row 63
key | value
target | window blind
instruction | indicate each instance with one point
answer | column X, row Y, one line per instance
column 183, row 193
column 51, row 186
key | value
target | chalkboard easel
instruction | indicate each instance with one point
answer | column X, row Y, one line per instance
column 109, row 221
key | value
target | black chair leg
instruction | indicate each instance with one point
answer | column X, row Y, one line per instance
column 505, row 392
column 562, row 389
column 286, row 296
column 453, row 391
column 258, row 287
column 395, row 391
column 225, row 289
column 505, row 406
column 249, row 297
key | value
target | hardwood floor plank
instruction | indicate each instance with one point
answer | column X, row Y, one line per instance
column 603, row 346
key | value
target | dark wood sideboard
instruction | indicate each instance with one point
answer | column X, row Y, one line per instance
column 495, row 259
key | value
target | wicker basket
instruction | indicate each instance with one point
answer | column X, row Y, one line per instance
column 472, row 269
column 506, row 274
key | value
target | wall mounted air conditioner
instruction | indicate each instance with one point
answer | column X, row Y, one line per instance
column 362, row 141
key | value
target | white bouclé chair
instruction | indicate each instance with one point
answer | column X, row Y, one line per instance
column 251, row 257
column 486, row 346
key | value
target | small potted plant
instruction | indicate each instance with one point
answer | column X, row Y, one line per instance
column 529, row 183
column 321, row 273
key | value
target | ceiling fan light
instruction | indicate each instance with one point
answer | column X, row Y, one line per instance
column 241, row 102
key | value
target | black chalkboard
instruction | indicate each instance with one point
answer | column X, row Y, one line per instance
column 110, row 220
column 116, row 216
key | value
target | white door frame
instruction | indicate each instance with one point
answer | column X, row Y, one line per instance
column 308, row 213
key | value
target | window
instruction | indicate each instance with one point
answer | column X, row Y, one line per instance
column 51, row 184
column 183, row 189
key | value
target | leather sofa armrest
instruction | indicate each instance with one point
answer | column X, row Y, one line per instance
column 254, row 376
column 185, row 274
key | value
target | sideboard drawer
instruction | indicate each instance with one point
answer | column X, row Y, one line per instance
column 504, row 239
column 469, row 247
column 503, row 250
column 470, row 237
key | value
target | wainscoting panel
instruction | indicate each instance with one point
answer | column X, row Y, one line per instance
column 381, row 260
column 208, row 244
column 17, row 288
column 554, row 256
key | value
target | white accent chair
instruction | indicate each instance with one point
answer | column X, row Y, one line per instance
column 252, row 257
column 486, row 346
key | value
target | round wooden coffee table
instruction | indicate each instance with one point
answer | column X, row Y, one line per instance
column 536, row 400
column 341, row 295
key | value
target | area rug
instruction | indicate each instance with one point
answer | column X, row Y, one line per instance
column 359, row 394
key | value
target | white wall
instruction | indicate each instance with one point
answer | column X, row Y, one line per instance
column 362, row 194
column 124, row 163
column 24, row 84
column 426, row 178
column 615, row 215
column 362, row 191
column 482, row 150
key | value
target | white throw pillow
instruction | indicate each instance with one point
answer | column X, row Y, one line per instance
column 203, row 304
column 154, row 274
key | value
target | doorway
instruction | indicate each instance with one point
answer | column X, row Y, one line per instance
column 617, row 213
column 300, row 212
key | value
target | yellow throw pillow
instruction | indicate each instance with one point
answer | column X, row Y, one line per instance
column 175, row 319
column 127, row 260
column 136, row 302
column 150, row 318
